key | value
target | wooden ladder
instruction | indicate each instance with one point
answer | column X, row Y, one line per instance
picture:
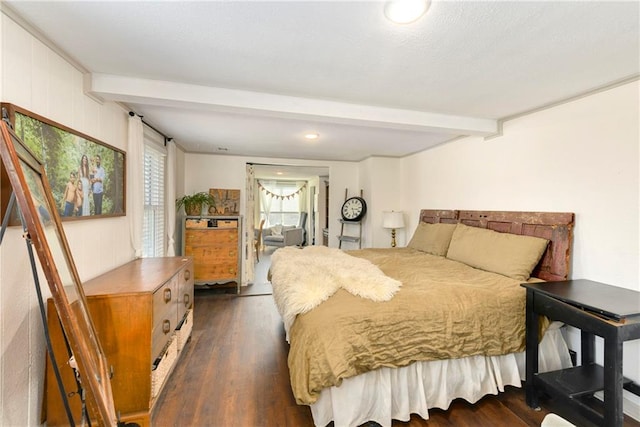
column 347, row 238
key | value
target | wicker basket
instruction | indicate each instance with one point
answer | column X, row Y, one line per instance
column 193, row 209
column 184, row 330
column 163, row 366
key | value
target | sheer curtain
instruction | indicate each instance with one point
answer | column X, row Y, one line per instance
column 265, row 202
column 256, row 204
column 170, row 198
column 249, row 270
column 302, row 196
column 135, row 182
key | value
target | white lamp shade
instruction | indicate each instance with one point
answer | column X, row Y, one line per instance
column 392, row 219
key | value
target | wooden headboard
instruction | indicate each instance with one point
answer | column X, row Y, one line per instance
column 557, row 227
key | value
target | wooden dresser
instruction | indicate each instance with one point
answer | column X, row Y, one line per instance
column 143, row 315
column 214, row 244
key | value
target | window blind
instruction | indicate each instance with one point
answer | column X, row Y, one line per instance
column 153, row 223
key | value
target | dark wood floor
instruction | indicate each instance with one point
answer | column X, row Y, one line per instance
column 234, row 373
column 253, row 289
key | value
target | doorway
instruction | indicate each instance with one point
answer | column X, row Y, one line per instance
column 295, row 181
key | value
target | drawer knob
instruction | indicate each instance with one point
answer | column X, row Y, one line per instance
column 187, row 297
column 187, row 274
column 167, row 295
column 166, row 326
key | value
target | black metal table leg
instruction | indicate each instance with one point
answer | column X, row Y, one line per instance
column 613, row 379
column 587, row 347
column 531, row 358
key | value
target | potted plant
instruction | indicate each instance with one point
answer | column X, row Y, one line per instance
column 193, row 203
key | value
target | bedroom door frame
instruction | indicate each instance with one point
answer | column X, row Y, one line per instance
column 322, row 171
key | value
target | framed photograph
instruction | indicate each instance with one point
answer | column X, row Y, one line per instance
column 86, row 176
column 227, row 202
column 39, row 210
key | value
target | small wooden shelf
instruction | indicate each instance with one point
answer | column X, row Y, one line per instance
column 350, row 238
column 575, row 382
column 344, row 221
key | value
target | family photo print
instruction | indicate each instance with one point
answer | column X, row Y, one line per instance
column 87, row 177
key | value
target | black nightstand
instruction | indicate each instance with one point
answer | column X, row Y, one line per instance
column 596, row 309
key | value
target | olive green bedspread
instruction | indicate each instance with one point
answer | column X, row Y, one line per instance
column 444, row 309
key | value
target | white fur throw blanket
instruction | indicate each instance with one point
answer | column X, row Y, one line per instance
column 304, row 278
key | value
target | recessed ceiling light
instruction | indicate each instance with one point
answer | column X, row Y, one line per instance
column 279, row 173
column 405, row 11
column 312, row 135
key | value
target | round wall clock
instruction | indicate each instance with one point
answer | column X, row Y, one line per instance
column 354, row 209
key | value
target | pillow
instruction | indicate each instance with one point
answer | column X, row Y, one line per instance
column 432, row 238
column 276, row 230
column 508, row 254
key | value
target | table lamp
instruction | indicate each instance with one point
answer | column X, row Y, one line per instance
column 392, row 220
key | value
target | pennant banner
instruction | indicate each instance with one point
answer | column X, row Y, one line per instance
column 282, row 197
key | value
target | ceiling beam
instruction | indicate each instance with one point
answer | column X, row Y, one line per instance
column 182, row 95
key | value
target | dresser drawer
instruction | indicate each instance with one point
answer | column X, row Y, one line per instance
column 164, row 315
column 227, row 223
column 218, row 271
column 209, row 255
column 185, row 290
column 161, row 337
column 209, row 237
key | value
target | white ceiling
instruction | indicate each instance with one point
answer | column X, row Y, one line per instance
column 251, row 77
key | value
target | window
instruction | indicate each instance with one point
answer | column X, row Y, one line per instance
column 153, row 227
column 283, row 210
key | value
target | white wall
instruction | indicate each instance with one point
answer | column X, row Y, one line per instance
column 36, row 78
column 579, row 157
column 381, row 182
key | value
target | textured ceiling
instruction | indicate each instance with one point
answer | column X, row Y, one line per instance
column 252, row 77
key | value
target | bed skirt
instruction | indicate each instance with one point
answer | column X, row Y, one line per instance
column 396, row 393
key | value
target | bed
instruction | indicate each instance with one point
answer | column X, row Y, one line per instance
column 379, row 334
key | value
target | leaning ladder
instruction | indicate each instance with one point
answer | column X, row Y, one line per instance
column 345, row 237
